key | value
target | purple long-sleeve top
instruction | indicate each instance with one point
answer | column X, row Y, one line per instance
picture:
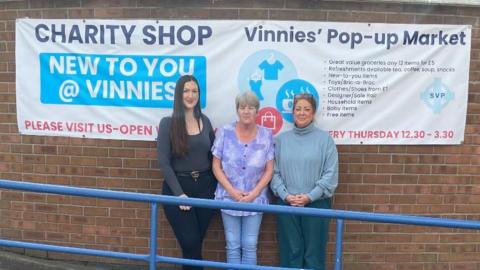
column 243, row 163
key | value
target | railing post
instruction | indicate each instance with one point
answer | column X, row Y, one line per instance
column 152, row 259
column 338, row 247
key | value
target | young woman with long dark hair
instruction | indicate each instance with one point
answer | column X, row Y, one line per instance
column 183, row 146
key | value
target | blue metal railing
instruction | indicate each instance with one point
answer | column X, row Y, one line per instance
column 152, row 258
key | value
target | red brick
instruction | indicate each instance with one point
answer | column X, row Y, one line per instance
column 110, row 183
column 109, row 203
column 135, row 241
column 93, row 151
column 54, row 14
column 50, row 208
column 70, row 228
column 33, row 159
column 123, row 153
column 70, row 170
column 95, row 211
column 444, row 170
column 83, row 161
column 25, row 149
column 123, row 173
column 109, row 240
column 98, row 230
column 136, row 222
column 45, row 169
column 82, row 220
column 136, row 163
column 84, row 201
column 376, row 179
column 45, row 149
column 109, row 162
column 362, row 168
column 58, row 218
column 46, row 227
column 11, row 233
column 145, row 153
column 377, row 158
column 83, row 181
column 81, row 238
column 58, row 179
column 106, row 221
column 418, row 169
column 389, row 168
column 128, row 232
column 21, row 206
column 403, row 199
column 32, row 235
column 70, row 210
column 122, row 212
column 137, row 183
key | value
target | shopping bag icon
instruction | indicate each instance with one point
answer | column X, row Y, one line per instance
column 268, row 120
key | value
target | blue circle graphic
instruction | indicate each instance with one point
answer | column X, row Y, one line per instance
column 264, row 72
column 287, row 92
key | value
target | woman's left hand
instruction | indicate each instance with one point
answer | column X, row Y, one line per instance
column 184, row 207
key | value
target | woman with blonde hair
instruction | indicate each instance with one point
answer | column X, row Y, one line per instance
column 243, row 155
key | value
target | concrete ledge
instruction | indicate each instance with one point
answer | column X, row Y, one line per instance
column 14, row 261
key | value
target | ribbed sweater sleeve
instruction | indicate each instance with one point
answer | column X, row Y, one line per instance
column 164, row 155
column 327, row 182
column 277, row 184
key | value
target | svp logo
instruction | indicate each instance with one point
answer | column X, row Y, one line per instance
column 437, row 95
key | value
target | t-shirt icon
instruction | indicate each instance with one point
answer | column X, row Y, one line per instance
column 270, row 71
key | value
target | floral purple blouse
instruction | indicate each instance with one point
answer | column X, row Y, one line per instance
column 243, row 163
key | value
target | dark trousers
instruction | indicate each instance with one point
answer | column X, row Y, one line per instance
column 303, row 239
column 190, row 226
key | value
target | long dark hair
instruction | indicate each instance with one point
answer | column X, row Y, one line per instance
column 178, row 132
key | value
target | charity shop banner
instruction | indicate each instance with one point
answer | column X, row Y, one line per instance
column 115, row 79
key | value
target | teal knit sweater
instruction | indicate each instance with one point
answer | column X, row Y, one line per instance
column 306, row 162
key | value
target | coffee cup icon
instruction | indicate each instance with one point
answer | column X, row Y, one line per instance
column 287, row 105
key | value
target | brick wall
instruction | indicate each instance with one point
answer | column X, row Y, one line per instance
column 421, row 180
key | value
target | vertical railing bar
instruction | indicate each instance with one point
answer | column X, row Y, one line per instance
column 152, row 258
column 338, row 245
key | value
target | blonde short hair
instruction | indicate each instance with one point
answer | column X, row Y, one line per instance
column 247, row 98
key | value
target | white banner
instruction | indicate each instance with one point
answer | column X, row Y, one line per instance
column 115, row 79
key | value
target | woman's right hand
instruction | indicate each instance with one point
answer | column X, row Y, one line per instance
column 236, row 194
column 291, row 199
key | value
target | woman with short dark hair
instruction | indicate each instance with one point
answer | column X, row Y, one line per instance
column 305, row 175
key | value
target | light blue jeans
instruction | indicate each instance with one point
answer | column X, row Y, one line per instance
column 241, row 235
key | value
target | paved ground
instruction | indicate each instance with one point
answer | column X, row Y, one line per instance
column 14, row 261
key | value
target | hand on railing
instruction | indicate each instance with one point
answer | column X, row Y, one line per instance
column 184, row 207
